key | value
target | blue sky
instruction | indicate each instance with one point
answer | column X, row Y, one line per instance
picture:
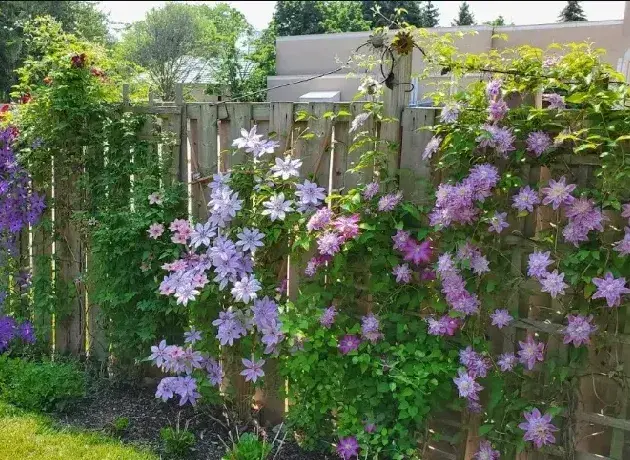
column 259, row 13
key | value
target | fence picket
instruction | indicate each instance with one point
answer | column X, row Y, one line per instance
column 281, row 123
column 313, row 147
column 204, row 156
column 415, row 173
column 352, row 179
column 240, row 117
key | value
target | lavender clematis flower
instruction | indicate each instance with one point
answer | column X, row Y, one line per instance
column 486, row 452
column 432, row 146
column 611, row 289
column 277, row 208
column 253, row 369
column 538, row 428
column 467, row 386
column 192, row 336
column 530, row 352
column 526, row 199
column 558, row 193
column 370, row 190
column 578, row 330
column 507, row 361
column 348, row 448
column 553, row 283
column 538, row 143
column 286, row 168
column 245, row 289
column 250, row 239
column 501, row 318
column 402, row 273
column 349, row 343
column 498, row 222
column 328, row 317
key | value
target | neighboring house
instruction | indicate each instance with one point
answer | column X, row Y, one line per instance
column 195, row 77
column 299, row 57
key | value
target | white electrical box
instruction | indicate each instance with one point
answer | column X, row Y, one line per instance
column 321, row 96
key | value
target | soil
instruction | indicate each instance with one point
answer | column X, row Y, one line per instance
column 147, row 415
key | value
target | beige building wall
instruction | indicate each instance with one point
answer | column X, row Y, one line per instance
column 304, row 56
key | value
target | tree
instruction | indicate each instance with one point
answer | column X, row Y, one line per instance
column 572, row 12
column 387, row 12
column 244, row 58
column 500, row 21
column 298, row 18
column 343, row 17
column 263, row 57
column 80, row 18
column 464, row 17
column 164, row 42
column 430, row 15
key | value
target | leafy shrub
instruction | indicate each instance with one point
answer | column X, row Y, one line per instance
column 177, row 441
column 40, row 386
column 249, row 447
column 121, row 424
column 117, row 427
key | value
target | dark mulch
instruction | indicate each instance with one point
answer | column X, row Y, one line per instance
column 147, row 415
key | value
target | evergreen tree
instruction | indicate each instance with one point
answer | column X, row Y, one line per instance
column 430, row 15
column 413, row 15
column 500, row 21
column 572, row 12
column 464, row 17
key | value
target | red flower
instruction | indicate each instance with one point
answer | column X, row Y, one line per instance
column 78, row 61
column 4, row 108
column 26, row 98
column 97, row 72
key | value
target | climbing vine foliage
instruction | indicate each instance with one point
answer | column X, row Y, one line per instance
column 487, row 298
column 402, row 306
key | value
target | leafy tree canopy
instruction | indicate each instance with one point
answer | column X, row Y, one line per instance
column 78, row 17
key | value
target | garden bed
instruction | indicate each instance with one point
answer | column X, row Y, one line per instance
column 147, row 415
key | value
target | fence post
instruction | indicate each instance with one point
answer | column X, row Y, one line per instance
column 42, row 266
column 394, row 101
column 269, row 397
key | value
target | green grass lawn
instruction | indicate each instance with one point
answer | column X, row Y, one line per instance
column 27, row 436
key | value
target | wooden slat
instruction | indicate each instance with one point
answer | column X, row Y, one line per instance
column 42, row 267
column 415, row 173
column 315, row 151
column 281, row 123
column 394, row 101
column 240, row 118
column 618, row 440
column 204, row 156
column 97, row 344
column 352, row 179
column 341, row 141
column 70, row 319
column 262, row 127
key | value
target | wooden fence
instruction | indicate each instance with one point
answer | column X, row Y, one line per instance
column 205, row 131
